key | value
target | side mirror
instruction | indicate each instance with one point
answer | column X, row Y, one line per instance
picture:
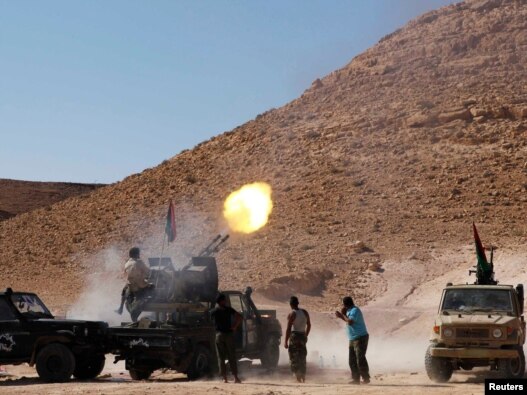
column 519, row 291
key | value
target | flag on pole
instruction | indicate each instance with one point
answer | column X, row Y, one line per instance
column 480, row 251
column 170, row 227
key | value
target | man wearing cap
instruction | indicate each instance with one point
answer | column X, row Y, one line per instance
column 358, row 340
column 298, row 328
column 226, row 320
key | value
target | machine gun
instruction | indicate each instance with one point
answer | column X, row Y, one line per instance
column 484, row 269
column 197, row 281
column 214, row 246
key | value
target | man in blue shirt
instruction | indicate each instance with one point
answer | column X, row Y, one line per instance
column 358, row 340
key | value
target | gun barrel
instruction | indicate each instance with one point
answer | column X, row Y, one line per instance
column 217, row 247
column 214, row 245
column 206, row 251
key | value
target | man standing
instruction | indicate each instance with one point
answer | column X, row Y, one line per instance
column 137, row 273
column 226, row 320
column 358, row 340
column 298, row 328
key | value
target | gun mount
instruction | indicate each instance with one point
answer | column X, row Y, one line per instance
column 485, row 272
column 197, row 281
column 484, row 269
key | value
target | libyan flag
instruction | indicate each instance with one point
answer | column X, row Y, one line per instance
column 170, row 227
column 480, row 251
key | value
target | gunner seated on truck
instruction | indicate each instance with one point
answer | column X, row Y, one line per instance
column 137, row 273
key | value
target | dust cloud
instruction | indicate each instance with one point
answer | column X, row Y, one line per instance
column 329, row 350
column 102, row 290
column 102, row 286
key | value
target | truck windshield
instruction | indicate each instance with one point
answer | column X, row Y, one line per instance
column 30, row 306
column 472, row 300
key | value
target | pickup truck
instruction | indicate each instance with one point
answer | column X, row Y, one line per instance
column 58, row 348
column 181, row 337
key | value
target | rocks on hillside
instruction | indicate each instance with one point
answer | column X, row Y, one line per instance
column 402, row 148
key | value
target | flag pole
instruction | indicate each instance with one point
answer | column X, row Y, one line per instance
column 169, row 234
column 160, row 258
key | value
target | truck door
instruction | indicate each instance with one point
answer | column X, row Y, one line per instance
column 15, row 343
column 240, row 336
column 250, row 318
column 251, row 324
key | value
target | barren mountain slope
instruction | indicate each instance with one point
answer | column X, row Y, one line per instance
column 401, row 149
column 18, row 197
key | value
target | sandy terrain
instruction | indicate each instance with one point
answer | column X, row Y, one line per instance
column 280, row 384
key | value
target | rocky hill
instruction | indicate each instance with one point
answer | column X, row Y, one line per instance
column 18, row 197
column 389, row 158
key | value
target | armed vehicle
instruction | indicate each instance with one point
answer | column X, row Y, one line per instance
column 176, row 331
column 480, row 324
column 59, row 348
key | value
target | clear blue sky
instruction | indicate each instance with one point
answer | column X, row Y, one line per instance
column 92, row 91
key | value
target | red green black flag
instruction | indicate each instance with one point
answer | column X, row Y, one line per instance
column 170, row 227
column 480, row 251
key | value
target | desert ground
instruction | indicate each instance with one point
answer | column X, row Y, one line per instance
column 334, row 382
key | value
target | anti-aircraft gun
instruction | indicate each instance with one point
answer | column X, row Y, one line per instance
column 178, row 333
column 197, row 281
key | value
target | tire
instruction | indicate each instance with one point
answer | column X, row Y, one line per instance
column 140, row 374
column 513, row 368
column 201, row 364
column 55, row 363
column 271, row 353
column 88, row 366
column 439, row 370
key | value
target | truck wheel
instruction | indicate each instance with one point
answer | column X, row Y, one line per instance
column 439, row 370
column 138, row 374
column 271, row 353
column 55, row 363
column 88, row 367
column 201, row 364
column 513, row 368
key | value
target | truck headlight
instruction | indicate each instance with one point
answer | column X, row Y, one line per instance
column 497, row 333
column 447, row 332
